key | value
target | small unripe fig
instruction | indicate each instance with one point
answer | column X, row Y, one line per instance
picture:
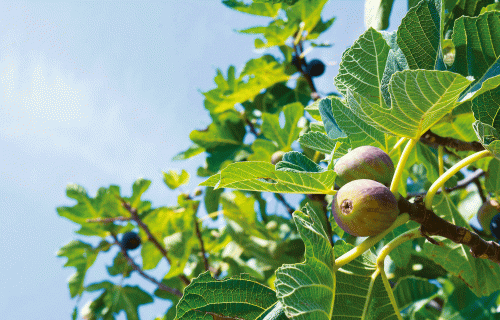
column 197, row 192
column 130, row 240
column 485, row 213
column 277, row 157
column 315, row 68
column 366, row 162
column 364, row 208
column 495, row 226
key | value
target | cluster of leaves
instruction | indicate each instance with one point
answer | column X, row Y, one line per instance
column 259, row 265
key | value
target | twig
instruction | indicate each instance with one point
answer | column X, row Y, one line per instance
column 138, row 269
column 314, row 93
column 480, row 190
column 433, row 225
column 288, row 207
column 109, row 220
column 460, row 184
column 135, row 217
column 252, row 128
column 198, row 234
column 435, row 140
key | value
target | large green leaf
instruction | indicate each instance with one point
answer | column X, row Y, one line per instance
column 362, row 66
column 486, row 107
column 360, row 132
column 262, row 176
column 295, row 161
column 317, row 141
column 419, row 35
column 420, row 98
column 286, row 136
column 477, row 44
column 235, row 298
column 307, row 289
column 377, row 13
column 481, row 275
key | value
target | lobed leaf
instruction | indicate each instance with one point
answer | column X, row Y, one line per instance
column 262, row 176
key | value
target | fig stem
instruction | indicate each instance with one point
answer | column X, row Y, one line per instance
column 388, row 288
column 397, row 145
column 369, row 242
column 450, row 172
column 394, row 243
column 396, row 179
column 441, row 160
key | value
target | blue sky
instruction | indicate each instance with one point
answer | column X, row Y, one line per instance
column 105, row 92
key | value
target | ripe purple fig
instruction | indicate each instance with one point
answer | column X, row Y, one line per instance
column 485, row 213
column 366, row 162
column 364, row 208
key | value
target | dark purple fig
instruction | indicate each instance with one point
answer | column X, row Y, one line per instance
column 130, row 240
column 277, row 157
column 364, row 208
column 486, row 212
column 366, row 162
column 315, row 68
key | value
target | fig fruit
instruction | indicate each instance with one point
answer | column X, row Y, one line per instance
column 485, row 213
column 315, row 68
column 364, row 208
column 130, row 240
column 495, row 226
column 277, row 157
column 366, row 162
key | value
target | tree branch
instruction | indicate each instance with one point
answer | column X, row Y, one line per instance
column 135, row 217
column 430, row 138
column 288, row 207
column 198, row 234
column 138, row 269
column 109, row 220
column 431, row 224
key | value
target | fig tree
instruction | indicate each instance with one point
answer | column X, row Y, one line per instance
column 315, row 68
column 486, row 212
column 277, row 157
column 364, row 208
column 130, row 240
column 366, row 162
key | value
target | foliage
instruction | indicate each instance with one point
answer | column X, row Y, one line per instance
column 427, row 94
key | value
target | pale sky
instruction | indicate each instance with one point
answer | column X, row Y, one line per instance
column 105, row 92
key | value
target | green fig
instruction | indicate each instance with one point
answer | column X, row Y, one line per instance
column 366, row 162
column 277, row 157
column 486, row 212
column 364, row 208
